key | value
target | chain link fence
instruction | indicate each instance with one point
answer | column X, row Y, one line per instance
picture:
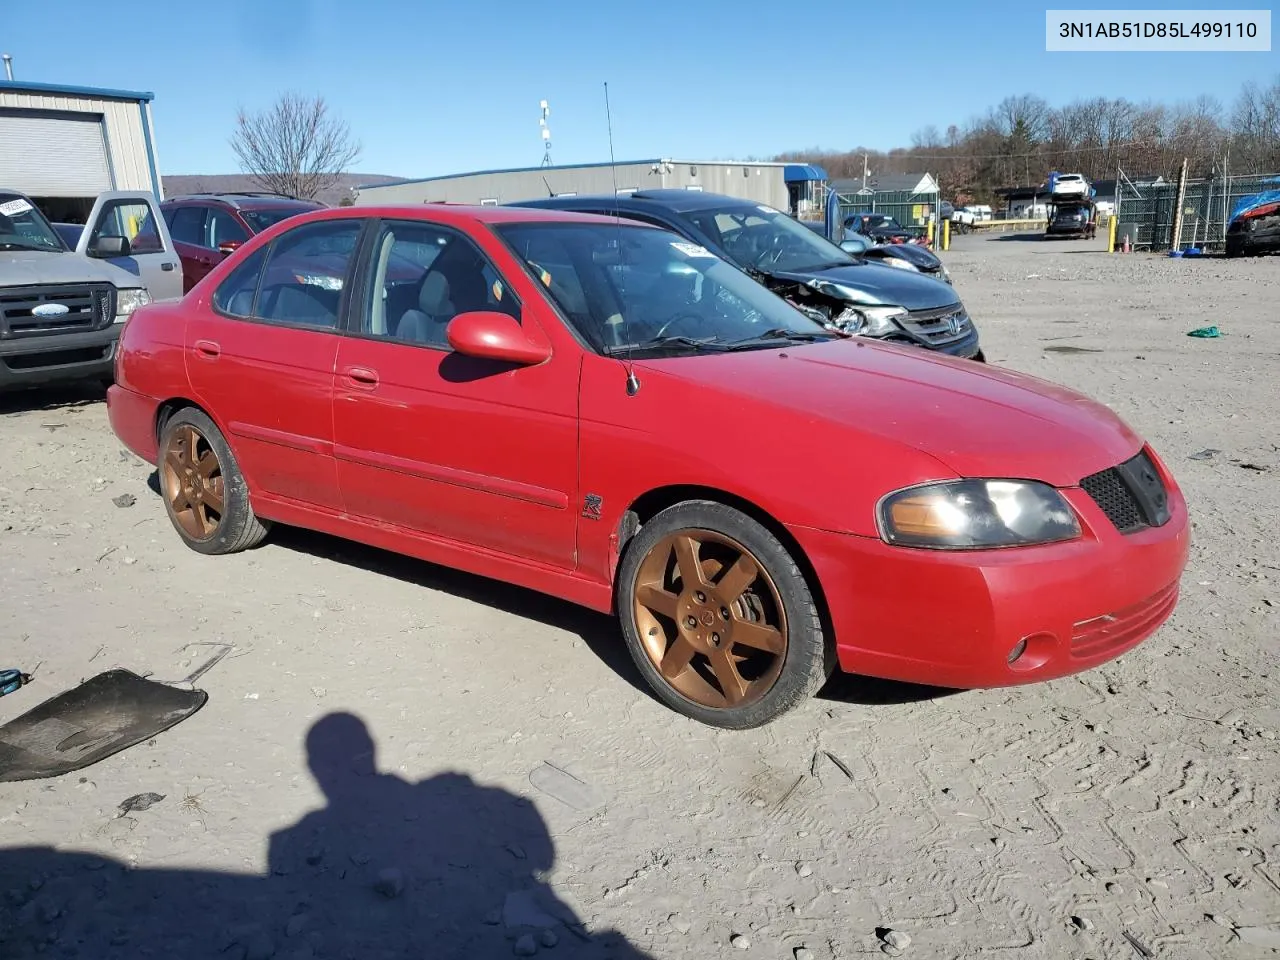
column 1148, row 214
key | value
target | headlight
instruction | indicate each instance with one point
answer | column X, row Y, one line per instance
column 129, row 300
column 870, row 321
column 975, row 514
column 899, row 263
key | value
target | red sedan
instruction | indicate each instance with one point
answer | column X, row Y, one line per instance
column 602, row 411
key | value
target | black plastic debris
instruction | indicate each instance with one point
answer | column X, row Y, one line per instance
column 139, row 801
column 104, row 715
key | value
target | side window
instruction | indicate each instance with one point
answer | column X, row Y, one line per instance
column 221, row 227
column 234, row 295
column 187, row 226
column 133, row 219
column 306, row 272
column 423, row 277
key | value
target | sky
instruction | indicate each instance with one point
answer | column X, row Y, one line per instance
column 433, row 87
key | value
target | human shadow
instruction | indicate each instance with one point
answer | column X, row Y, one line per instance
column 386, row 869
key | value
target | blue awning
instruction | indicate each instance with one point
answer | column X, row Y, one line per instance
column 801, row 172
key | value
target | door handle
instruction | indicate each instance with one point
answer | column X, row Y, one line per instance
column 208, row 349
column 362, row 376
column 167, row 265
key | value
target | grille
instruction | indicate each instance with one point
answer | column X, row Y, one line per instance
column 935, row 326
column 88, row 307
column 1131, row 495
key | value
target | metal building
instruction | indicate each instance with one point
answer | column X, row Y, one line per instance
column 785, row 186
column 62, row 146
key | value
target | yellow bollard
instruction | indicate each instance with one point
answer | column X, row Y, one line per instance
column 929, row 233
column 1111, row 234
column 946, row 234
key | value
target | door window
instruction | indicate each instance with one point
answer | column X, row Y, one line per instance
column 235, row 294
column 132, row 219
column 222, row 227
column 423, row 277
column 302, row 280
column 187, row 226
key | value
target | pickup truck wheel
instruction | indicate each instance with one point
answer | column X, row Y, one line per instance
column 203, row 489
column 718, row 617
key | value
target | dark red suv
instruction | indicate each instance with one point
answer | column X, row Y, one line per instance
column 206, row 227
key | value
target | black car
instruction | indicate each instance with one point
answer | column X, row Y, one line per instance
column 837, row 289
column 1073, row 220
column 880, row 227
column 1255, row 230
column 912, row 256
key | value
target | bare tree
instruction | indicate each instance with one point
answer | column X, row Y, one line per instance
column 296, row 147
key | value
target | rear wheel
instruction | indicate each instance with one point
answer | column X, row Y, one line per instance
column 204, row 492
column 719, row 618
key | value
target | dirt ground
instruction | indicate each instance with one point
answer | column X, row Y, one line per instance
column 532, row 792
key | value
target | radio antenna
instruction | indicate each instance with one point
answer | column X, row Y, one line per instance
column 633, row 382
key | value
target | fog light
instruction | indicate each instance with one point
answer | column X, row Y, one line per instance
column 1018, row 650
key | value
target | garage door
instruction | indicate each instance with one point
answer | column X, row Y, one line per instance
column 53, row 155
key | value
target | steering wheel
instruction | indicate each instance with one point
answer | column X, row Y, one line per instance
column 676, row 319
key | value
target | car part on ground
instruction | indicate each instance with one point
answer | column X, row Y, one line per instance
column 796, row 262
column 541, row 367
column 64, row 292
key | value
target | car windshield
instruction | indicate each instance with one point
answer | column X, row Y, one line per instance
column 764, row 239
column 638, row 290
column 23, row 227
column 266, row 217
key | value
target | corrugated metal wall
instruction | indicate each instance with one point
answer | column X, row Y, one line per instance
column 122, row 123
column 749, row 181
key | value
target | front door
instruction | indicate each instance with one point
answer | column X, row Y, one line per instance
column 427, row 439
column 261, row 355
column 151, row 256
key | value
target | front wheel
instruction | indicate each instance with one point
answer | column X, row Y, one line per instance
column 719, row 618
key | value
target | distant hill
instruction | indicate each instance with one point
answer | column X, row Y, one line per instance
column 178, row 184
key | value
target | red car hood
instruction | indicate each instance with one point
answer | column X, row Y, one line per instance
column 978, row 420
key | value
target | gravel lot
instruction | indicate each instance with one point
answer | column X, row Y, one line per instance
column 1128, row 812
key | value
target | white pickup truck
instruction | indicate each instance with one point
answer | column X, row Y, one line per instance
column 62, row 307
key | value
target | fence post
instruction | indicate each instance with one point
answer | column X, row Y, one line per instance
column 1177, row 214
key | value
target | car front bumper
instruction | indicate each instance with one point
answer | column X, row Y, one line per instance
column 953, row 618
column 967, row 346
column 37, row 361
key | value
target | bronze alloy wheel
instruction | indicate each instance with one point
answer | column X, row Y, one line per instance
column 710, row 618
column 191, row 477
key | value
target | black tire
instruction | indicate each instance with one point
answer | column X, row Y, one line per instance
column 809, row 659
column 238, row 528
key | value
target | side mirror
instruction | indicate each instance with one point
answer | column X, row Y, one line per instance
column 106, row 247
column 228, row 247
column 489, row 335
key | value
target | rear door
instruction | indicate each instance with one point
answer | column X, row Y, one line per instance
column 260, row 357
column 186, row 225
column 152, row 258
